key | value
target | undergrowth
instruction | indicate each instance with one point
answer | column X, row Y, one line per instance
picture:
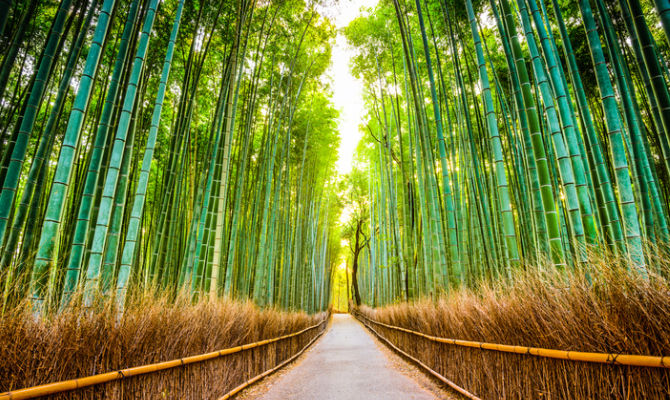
column 605, row 309
column 78, row 343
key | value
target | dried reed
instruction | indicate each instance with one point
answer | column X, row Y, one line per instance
column 608, row 310
column 79, row 343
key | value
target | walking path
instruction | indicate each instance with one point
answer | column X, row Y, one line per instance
column 346, row 364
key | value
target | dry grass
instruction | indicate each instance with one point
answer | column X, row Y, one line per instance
column 615, row 313
column 77, row 343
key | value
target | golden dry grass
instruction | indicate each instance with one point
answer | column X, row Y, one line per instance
column 617, row 312
column 79, row 343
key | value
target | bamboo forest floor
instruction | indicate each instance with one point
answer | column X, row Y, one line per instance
column 348, row 363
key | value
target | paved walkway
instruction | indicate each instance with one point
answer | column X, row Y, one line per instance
column 346, row 364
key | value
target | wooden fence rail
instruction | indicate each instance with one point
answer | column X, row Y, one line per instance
column 73, row 384
column 603, row 358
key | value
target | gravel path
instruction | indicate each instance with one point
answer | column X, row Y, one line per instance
column 346, row 364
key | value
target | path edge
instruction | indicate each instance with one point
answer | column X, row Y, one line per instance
column 278, row 367
column 433, row 374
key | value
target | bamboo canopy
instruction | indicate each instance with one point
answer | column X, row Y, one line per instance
column 188, row 146
column 182, row 152
column 503, row 134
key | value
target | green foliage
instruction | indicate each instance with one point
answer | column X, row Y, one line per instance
column 527, row 149
column 245, row 139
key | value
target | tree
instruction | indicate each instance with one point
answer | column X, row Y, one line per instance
column 356, row 205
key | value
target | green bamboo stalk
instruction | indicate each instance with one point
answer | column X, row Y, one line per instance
column 44, row 146
column 39, row 86
column 112, row 175
column 663, row 8
column 511, row 246
column 614, row 132
column 611, row 211
column 548, row 201
column 132, row 233
column 568, row 125
column 47, row 251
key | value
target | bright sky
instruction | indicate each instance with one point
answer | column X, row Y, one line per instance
column 347, row 90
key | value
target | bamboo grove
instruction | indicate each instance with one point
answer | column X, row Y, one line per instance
column 504, row 134
column 179, row 145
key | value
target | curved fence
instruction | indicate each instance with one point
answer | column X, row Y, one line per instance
column 494, row 370
column 253, row 358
